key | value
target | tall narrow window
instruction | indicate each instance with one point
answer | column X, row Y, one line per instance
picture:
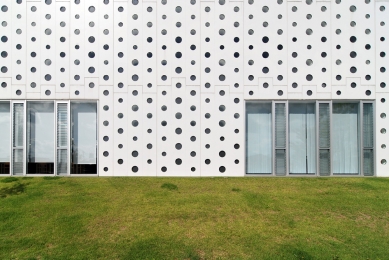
column 302, row 141
column 84, row 138
column 345, row 139
column 40, row 137
column 17, row 140
column 5, row 142
column 62, row 139
column 258, row 138
column 280, row 138
column 324, row 139
column 368, row 140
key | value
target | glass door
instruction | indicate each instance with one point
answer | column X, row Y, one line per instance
column 5, row 140
column 40, row 137
column 84, row 138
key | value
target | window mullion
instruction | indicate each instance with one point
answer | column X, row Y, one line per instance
column 360, row 139
column 317, row 138
column 55, row 137
column 68, row 138
column 273, row 139
column 330, row 138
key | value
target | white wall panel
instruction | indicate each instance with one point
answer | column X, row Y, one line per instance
column 135, row 43
column 19, row 40
column 104, row 18
column 120, row 46
column 77, row 42
column 108, row 132
column 165, row 43
column 137, row 57
column 120, row 144
column 33, row 57
column 6, row 42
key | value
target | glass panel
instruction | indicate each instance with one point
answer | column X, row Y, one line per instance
column 18, row 162
column 62, row 162
column 280, row 162
column 84, row 138
column 324, row 125
column 368, row 133
column 18, row 125
column 5, row 141
column 324, row 162
column 40, row 137
column 345, row 139
column 302, row 141
column 368, row 162
column 280, row 125
column 258, row 138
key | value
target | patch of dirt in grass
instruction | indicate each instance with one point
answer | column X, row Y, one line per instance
column 50, row 246
column 367, row 220
column 335, row 215
column 200, row 253
column 332, row 239
column 218, row 254
column 323, row 191
column 363, row 217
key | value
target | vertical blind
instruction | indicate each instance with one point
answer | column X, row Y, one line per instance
column 18, row 125
column 280, row 125
column 368, row 140
column 62, row 125
column 324, row 139
column 62, row 138
column 258, row 138
column 17, row 141
column 280, row 138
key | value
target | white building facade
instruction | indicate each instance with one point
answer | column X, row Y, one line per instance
column 194, row 88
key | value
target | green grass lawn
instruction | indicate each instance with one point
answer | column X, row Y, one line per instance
column 194, row 218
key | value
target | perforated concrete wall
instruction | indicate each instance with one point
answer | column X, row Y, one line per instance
column 172, row 77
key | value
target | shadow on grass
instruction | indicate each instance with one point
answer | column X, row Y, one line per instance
column 300, row 254
column 16, row 189
column 169, row 186
column 159, row 248
column 47, row 178
column 9, row 179
column 292, row 252
column 365, row 186
column 258, row 200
